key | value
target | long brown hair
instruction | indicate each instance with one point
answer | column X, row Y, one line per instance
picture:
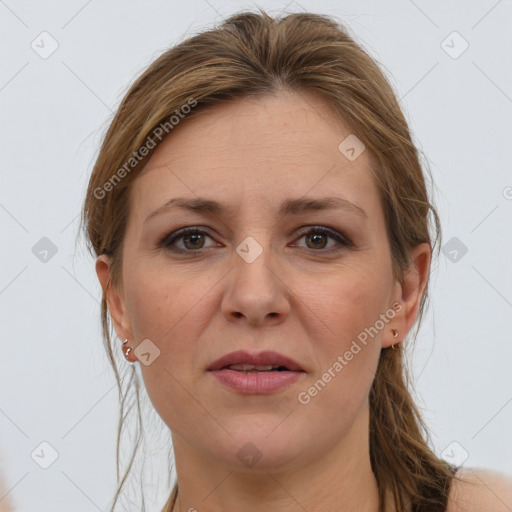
column 252, row 53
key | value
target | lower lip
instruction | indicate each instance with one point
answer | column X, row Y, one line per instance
column 256, row 383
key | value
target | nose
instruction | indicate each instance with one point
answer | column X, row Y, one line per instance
column 256, row 292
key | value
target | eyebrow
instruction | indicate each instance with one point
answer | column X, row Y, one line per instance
column 288, row 207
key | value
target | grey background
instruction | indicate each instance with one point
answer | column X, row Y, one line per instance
column 55, row 383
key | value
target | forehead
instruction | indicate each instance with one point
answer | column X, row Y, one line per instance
column 256, row 152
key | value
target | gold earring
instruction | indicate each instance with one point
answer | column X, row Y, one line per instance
column 127, row 352
column 395, row 335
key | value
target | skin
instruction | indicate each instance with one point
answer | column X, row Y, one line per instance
column 482, row 490
column 298, row 297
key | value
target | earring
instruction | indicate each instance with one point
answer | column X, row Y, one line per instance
column 395, row 335
column 127, row 351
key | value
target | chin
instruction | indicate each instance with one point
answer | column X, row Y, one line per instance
column 254, row 450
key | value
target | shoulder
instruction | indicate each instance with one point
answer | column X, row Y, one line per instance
column 482, row 489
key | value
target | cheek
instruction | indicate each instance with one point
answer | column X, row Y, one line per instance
column 350, row 302
column 160, row 303
column 172, row 311
column 351, row 309
column 166, row 311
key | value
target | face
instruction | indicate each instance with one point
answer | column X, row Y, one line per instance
column 313, row 284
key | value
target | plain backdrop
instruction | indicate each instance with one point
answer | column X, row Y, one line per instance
column 450, row 63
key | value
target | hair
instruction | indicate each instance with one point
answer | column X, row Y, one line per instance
column 253, row 54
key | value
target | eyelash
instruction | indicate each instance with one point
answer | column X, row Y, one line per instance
column 168, row 240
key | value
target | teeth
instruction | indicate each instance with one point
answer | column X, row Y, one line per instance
column 245, row 367
column 248, row 372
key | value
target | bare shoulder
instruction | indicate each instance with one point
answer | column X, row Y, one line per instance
column 482, row 490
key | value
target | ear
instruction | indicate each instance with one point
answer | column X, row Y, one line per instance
column 115, row 300
column 409, row 294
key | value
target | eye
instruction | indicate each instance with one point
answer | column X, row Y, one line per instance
column 192, row 240
column 315, row 234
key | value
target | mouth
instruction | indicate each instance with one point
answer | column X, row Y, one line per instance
column 250, row 368
column 256, row 374
column 267, row 361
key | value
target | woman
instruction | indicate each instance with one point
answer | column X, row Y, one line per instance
column 263, row 237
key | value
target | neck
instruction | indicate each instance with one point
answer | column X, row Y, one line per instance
column 338, row 479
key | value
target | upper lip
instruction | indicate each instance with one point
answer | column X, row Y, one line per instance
column 265, row 358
